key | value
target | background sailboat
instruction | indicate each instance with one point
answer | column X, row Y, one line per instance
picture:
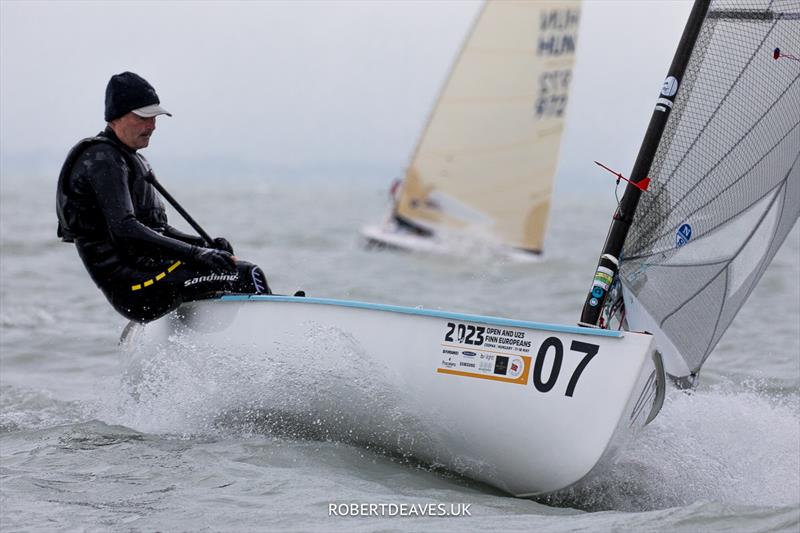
column 485, row 163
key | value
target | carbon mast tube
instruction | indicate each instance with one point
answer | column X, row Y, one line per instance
column 608, row 265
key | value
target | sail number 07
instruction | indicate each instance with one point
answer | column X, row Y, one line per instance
column 544, row 385
column 474, row 335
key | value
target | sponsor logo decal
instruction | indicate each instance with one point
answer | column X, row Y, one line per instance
column 683, row 235
column 507, row 356
column 486, row 352
column 501, row 365
column 515, row 367
column 603, row 278
column 210, row 277
column 670, row 86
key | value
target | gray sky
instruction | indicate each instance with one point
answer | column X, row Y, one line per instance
column 302, row 85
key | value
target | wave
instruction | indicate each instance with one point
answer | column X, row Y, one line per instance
column 732, row 443
column 727, row 444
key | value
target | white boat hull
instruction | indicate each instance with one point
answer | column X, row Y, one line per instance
column 478, row 395
column 390, row 235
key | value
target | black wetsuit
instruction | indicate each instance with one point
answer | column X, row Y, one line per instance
column 119, row 226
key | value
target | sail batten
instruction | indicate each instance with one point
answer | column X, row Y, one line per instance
column 725, row 184
column 732, row 150
column 723, row 221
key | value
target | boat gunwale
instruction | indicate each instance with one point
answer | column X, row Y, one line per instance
column 496, row 321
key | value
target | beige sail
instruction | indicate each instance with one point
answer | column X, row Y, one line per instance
column 486, row 160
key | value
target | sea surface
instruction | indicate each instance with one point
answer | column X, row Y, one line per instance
column 81, row 451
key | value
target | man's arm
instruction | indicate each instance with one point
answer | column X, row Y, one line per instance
column 219, row 243
column 174, row 233
column 108, row 175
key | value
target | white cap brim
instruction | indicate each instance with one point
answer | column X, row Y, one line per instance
column 153, row 110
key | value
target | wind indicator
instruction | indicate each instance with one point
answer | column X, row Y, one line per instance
column 641, row 184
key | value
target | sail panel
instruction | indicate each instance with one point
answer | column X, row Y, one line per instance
column 725, row 187
column 487, row 158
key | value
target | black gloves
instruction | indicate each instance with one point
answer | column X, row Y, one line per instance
column 218, row 256
column 214, row 259
column 221, row 243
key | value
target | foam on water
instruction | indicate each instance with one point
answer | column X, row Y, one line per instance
column 731, row 443
column 728, row 444
column 24, row 409
column 292, row 390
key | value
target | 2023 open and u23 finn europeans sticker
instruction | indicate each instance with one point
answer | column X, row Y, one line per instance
column 486, row 352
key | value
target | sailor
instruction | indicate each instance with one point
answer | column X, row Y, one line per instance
column 108, row 207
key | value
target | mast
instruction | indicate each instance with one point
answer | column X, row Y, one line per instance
column 608, row 265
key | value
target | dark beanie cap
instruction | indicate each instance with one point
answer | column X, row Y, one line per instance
column 125, row 92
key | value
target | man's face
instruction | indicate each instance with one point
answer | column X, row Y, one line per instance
column 133, row 130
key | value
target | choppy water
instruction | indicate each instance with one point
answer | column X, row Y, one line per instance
column 82, row 447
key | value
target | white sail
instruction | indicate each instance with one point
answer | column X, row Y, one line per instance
column 725, row 187
column 486, row 160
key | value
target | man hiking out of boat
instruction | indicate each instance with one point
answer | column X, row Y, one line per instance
column 108, row 206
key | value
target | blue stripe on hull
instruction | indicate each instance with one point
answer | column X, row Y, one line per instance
column 427, row 312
